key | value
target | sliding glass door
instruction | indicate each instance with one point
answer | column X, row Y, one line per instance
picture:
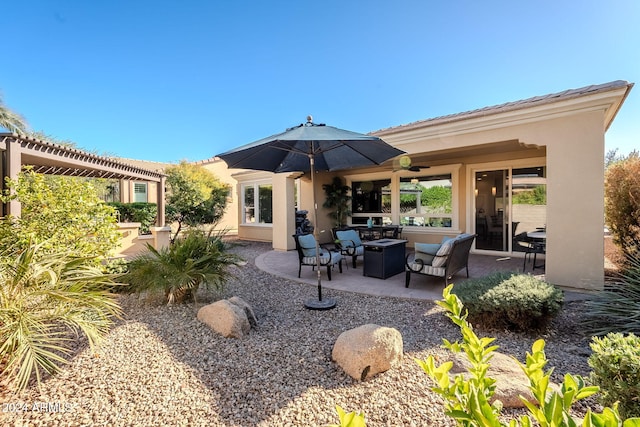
column 492, row 214
column 508, row 203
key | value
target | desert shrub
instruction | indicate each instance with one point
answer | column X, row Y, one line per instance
column 45, row 300
column 613, row 308
column 144, row 213
column 194, row 259
column 509, row 300
column 622, row 199
column 60, row 214
column 616, row 370
column 467, row 400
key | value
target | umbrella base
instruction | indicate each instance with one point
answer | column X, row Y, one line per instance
column 324, row 304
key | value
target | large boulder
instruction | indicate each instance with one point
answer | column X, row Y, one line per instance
column 246, row 308
column 367, row 350
column 511, row 381
column 230, row 318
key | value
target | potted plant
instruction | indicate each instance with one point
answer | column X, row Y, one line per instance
column 338, row 198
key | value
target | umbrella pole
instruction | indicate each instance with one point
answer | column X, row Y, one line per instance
column 327, row 303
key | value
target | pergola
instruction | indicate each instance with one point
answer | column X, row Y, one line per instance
column 44, row 157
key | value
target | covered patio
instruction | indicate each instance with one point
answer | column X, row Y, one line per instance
column 509, row 169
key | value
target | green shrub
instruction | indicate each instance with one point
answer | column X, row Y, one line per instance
column 616, row 369
column 509, row 300
column 192, row 260
column 60, row 214
column 44, row 298
column 610, row 310
column 144, row 213
column 467, row 400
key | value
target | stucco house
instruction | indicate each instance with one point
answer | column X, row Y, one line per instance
column 506, row 169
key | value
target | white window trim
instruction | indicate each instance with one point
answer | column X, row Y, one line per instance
column 255, row 185
column 146, row 191
column 453, row 169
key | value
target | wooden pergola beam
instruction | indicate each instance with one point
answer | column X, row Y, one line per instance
column 54, row 159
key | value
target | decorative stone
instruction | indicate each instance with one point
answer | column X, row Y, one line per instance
column 367, row 350
column 227, row 318
column 511, row 381
column 253, row 321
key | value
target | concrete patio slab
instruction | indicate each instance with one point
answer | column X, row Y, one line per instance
column 285, row 264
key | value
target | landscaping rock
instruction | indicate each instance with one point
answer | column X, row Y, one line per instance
column 253, row 321
column 511, row 381
column 368, row 350
column 227, row 318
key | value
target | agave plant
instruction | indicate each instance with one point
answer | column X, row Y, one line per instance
column 44, row 298
column 179, row 270
column 617, row 307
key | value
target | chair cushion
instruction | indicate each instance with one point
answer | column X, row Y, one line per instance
column 308, row 245
column 426, row 258
column 325, row 258
column 427, row 248
column 350, row 238
column 427, row 269
column 445, row 248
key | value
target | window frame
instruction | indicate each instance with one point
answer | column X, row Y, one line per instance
column 255, row 185
column 395, row 215
column 136, row 184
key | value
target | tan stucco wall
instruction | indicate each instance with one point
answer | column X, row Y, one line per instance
column 574, row 148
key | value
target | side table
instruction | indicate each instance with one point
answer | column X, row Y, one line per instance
column 383, row 258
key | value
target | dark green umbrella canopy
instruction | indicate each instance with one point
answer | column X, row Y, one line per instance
column 312, row 147
column 332, row 148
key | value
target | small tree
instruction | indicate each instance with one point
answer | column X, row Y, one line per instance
column 622, row 199
column 337, row 198
column 196, row 196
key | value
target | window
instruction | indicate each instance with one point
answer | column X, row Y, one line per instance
column 257, row 203
column 371, row 199
column 140, row 192
column 426, row 201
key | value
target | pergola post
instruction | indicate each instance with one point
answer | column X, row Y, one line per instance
column 161, row 202
column 14, row 165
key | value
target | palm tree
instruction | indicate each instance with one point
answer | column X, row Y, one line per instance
column 12, row 121
column 44, row 298
column 179, row 270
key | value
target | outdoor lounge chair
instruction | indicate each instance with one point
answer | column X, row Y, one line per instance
column 349, row 243
column 441, row 260
column 306, row 247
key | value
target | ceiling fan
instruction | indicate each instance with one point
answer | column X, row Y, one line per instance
column 404, row 163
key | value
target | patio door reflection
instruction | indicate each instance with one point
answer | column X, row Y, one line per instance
column 492, row 208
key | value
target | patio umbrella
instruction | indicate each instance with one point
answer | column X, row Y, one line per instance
column 311, row 147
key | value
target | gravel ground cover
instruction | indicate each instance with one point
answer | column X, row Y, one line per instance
column 160, row 366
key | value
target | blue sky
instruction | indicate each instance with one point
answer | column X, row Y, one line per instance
column 171, row 80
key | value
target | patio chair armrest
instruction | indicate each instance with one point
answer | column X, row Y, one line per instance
column 411, row 264
column 349, row 249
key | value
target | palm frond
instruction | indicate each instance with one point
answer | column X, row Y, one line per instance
column 42, row 299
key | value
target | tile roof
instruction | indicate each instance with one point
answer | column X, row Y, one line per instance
column 515, row 105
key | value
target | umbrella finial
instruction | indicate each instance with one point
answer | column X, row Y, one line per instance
column 309, row 118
